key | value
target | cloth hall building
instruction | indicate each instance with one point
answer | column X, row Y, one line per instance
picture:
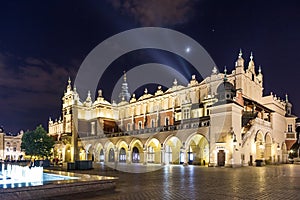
column 224, row 120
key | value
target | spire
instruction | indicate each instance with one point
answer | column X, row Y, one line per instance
column 175, row 82
column 75, row 89
column 125, row 77
column 225, row 74
column 259, row 69
column 240, row 54
column 251, row 65
column 240, row 60
column 99, row 93
column 124, row 94
column 69, row 87
column 214, row 70
column 88, row 98
column 286, row 98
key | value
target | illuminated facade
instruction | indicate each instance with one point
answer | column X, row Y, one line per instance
column 10, row 147
column 223, row 120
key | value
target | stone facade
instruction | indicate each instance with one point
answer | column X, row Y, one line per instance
column 224, row 120
column 10, row 147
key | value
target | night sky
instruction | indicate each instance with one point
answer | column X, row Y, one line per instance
column 42, row 43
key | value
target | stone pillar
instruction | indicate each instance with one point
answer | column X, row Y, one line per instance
column 116, row 154
column 162, row 156
column 104, row 155
column 185, row 156
column 145, row 157
column 129, row 157
column 86, row 154
column 74, row 137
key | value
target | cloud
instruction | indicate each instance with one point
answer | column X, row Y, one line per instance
column 30, row 89
column 157, row 12
column 32, row 74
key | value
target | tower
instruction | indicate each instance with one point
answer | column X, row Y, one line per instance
column 124, row 94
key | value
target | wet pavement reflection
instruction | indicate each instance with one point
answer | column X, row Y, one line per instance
column 194, row 182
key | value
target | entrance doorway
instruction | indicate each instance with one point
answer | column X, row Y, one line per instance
column 135, row 155
column 221, row 158
column 122, row 155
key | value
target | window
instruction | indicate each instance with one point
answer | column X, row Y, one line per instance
column 93, row 128
column 152, row 123
column 128, row 127
column 290, row 128
column 167, row 121
column 140, row 125
column 151, row 154
column 186, row 113
column 15, row 149
column 122, row 156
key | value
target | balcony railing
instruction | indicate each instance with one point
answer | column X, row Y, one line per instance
column 290, row 135
column 178, row 125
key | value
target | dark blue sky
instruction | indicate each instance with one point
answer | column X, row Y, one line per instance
column 42, row 43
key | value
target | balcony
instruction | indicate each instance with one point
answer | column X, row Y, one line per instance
column 290, row 136
column 178, row 125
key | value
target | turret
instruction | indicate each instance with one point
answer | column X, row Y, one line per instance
column 239, row 64
column 259, row 77
column 251, row 65
column 288, row 106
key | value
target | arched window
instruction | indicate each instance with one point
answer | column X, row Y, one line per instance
column 150, row 154
column 122, row 156
column 111, row 155
column 168, row 157
column 152, row 123
column 135, row 155
column 101, row 155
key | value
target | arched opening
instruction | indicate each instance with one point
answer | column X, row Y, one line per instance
column 111, row 155
column 260, row 148
column 198, row 150
column 101, row 156
column 173, row 153
column 135, row 155
column 122, row 155
column 221, row 158
column 137, row 151
column 154, row 151
column 268, row 149
column 97, row 152
column 88, row 151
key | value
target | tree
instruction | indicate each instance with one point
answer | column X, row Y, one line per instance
column 37, row 142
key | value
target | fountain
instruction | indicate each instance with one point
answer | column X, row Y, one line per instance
column 25, row 182
column 19, row 174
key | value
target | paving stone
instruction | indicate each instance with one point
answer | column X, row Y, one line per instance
column 193, row 182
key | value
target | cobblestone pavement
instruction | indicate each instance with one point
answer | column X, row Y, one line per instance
column 194, row 182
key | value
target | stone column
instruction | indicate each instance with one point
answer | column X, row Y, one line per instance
column 162, row 156
column 185, row 156
column 145, row 157
column 129, row 157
